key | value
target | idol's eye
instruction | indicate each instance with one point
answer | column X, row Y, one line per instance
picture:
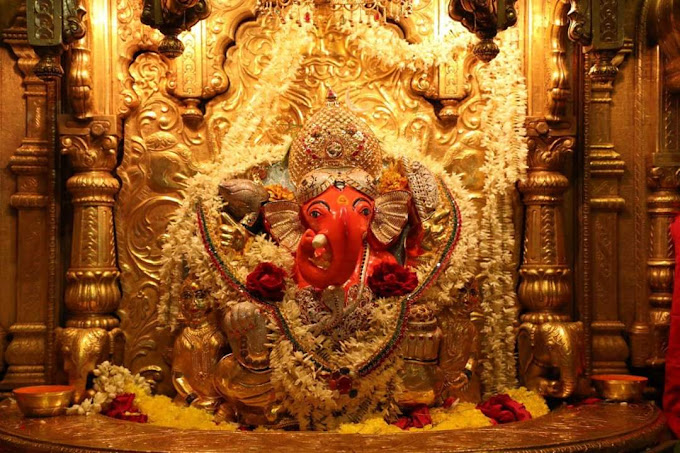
column 315, row 214
column 366, row 212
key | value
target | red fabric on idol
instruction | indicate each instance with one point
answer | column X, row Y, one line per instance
column 671, row 396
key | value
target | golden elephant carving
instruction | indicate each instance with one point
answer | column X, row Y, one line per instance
column 551, row 357
column 83, row 349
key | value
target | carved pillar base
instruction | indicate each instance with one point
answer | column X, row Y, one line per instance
column 26, row 355
column 83, row 349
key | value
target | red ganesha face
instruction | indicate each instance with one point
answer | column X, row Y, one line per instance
column 330, row 231
column 337, row 224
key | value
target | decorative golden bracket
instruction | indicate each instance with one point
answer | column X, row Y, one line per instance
column 484, row 18
column 172, row 17
column 447, row 85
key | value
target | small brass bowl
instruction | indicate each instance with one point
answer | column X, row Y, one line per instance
column 44, row 400
column 619, row 387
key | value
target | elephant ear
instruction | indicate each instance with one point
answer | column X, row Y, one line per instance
column 525, row 346
column 283, row 222
column 391, row 215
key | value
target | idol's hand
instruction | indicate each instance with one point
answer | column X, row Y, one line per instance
column 246, row 328
column 232, row 235
column 239, row 319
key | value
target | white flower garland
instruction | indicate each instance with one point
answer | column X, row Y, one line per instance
column 388, row 48
column 236, row 155
column 109, row 382
column 503, row 117
column 504, row 138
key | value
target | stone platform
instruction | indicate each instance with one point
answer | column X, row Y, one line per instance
column 597, row 428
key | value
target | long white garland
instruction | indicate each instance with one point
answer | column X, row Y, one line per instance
column 504, row 139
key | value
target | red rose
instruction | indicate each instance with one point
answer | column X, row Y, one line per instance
column 503, row 409
column 122, row 407
column 391, row 279
column 267, row 282
column 403, row 423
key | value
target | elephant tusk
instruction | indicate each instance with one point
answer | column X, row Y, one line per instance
column 320, row 240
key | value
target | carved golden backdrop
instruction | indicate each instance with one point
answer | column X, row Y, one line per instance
column 167, row 137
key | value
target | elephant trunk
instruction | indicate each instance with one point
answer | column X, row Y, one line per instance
column 567, row 386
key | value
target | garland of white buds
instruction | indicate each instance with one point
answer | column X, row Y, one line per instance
column 504, row 139
column 504, row 133
column 383, row 44
column 109, row 382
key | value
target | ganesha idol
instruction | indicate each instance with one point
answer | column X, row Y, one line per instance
column 331, row 260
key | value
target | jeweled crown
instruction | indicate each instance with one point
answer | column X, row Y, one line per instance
column 334, row 138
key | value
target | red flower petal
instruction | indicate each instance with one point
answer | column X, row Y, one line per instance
column 503, row 409
column 267, row 281
column 421, row 417
column 403, row 423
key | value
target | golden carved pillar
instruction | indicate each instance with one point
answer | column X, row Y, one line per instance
column 30, row 354
column 546, row 285
column 545, row 289
column 604, row 170
column 92, row 291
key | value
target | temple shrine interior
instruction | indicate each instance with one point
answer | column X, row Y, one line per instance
column 339, row 225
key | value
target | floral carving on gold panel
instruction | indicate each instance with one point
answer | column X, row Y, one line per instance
column 160, row 153
column 381, row 95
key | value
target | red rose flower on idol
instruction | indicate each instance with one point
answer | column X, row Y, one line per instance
column 391, row 279
column 503, row 409
column 267, row 281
